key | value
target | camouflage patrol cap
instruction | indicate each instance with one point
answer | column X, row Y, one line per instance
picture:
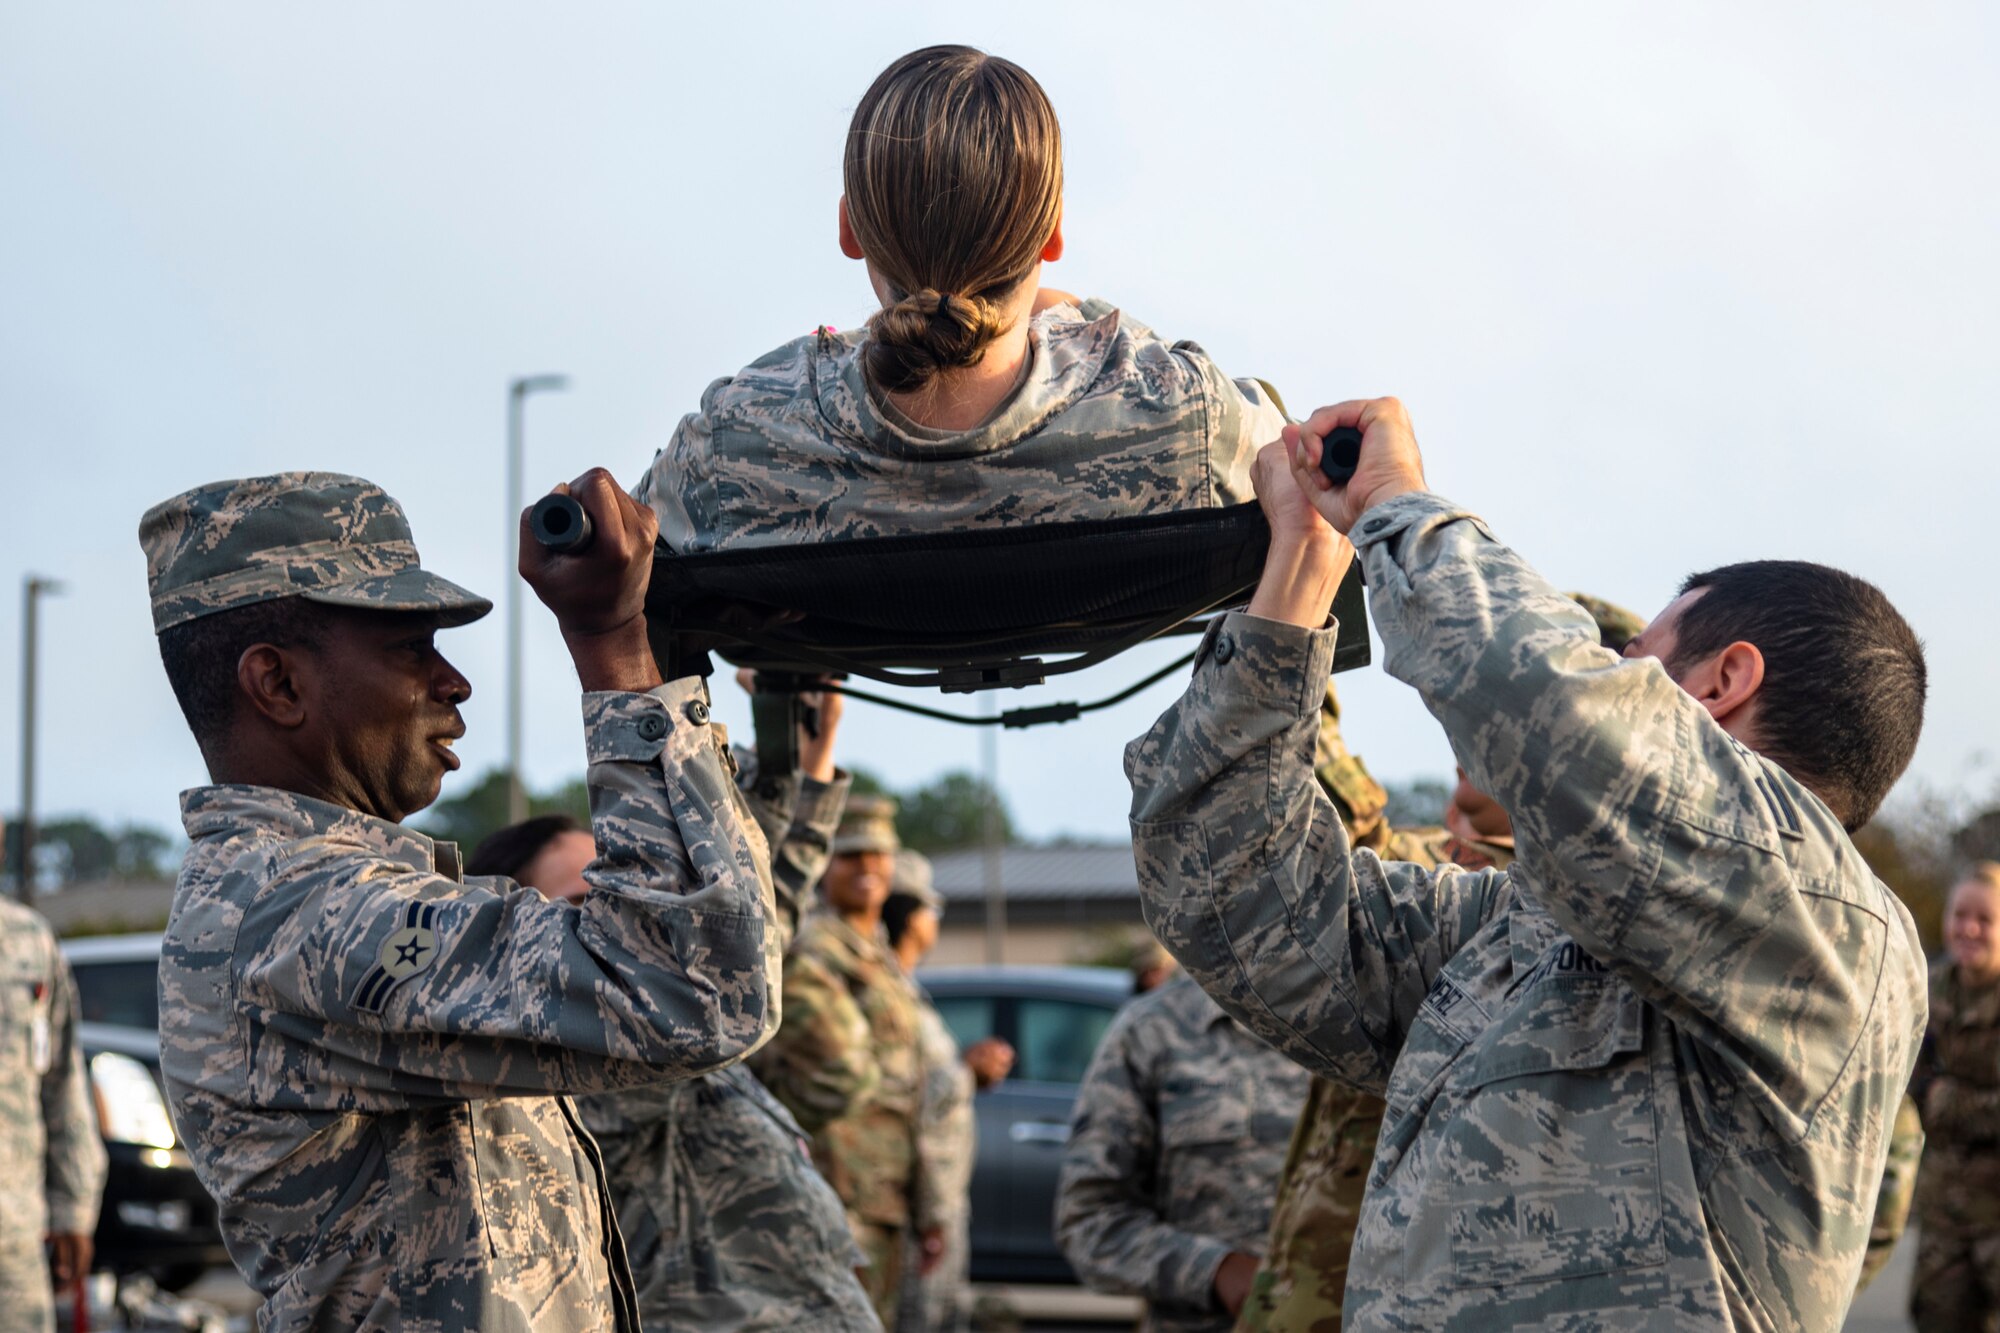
column 322, row 536
column 912, row 879
column 867, row 824
column 1616, row 626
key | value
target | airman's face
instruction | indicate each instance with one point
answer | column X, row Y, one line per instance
column 389, row 709
column 1972, row 929
column 859, row 881
column 557, row 869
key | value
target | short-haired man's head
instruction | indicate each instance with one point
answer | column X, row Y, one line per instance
column 953, row 180
column 201, row 656
column 1842, row 698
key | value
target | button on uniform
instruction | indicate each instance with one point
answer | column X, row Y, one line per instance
column 697, row 713
column 1225, row 648
column 652, row 726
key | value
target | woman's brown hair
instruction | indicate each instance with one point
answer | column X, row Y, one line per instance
column 953, row 176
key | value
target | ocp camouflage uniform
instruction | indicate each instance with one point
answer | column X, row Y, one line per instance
column 52, row 1159
column 365, row 1050
column 1110, row 422
column 728, row 1224
column 1174, row 1152
column 1646, row 1077
column 844, row 1061
column 1957, row 1282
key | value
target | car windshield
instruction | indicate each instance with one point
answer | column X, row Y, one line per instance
column 125, row 993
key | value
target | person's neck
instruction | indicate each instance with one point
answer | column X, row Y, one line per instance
column 908, row 956
column 285, row 771
column 863, row 923
column 964, row 399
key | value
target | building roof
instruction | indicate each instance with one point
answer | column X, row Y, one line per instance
column 1087, row 871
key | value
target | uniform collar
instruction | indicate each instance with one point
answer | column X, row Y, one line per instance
column 1184, row 996
column 236, row 810
column 1066, row 355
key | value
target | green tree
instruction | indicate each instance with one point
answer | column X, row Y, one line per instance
column 76, row 848
column 949, row 813
column 481, row 809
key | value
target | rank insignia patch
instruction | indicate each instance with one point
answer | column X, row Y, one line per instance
column 410, row 949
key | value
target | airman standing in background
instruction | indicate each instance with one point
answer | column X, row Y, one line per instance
column 937, row 1282
column 845, row 1058
column 1957, row 1088
column 51, row 1152
column 1174, row 1154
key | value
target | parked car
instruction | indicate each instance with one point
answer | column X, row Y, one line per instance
column 1053, row 1017
column 156, row 1219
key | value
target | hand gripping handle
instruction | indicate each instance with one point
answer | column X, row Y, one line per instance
column 1340, row 454
column 560, row 523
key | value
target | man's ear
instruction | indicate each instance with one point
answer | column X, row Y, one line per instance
column 269, row 677
column 1052, row 251
column 849, row 245
column 1726, row 684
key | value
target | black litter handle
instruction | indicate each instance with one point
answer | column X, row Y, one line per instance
column 560, row 523
column 1340, row 454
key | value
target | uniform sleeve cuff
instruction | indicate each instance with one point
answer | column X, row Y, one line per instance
column 1384, row 521
column 1269, row 663
column 1196, row 1284
column 820, row 803
column 621, row 727
column 68, row 1217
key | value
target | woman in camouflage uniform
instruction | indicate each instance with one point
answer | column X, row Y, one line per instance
column 1957, row 1284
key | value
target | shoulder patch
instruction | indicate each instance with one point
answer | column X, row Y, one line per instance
column 410, row 948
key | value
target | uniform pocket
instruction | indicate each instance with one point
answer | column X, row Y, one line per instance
column 1551, row 1159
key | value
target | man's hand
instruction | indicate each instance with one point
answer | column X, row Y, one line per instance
column 1307, row 558
column 1233, row 1278
column 990, row 1060
column 815, row 746
column 599, row 594
column 816, row 751
column 930, row 1247
column 1390, row 464
column 69, row 1256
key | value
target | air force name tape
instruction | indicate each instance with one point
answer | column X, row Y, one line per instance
column 410, row 949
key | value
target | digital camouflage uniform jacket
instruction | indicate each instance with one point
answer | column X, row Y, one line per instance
column 728, row 1224
column 1109, row 422
column 1645, row 1078
column 362, row 1049
column 1174, row 1152
column 52, row 1159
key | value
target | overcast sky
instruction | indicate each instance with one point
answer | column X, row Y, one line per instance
column 1663, row 287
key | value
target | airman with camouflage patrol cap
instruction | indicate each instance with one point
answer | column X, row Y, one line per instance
column 368, row 1050
column 845, row 1059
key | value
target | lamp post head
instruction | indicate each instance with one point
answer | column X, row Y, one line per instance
column 524, row 385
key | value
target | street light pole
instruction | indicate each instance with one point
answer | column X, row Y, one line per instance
column 989, row 837
column 32, row 589
column 517, row 395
